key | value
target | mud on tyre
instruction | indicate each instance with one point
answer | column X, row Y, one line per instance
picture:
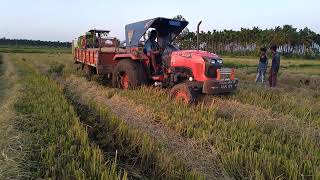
column 184, row 93
column 128, row 74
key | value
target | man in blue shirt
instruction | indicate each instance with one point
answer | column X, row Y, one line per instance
column 152, row 50
column 274, row 66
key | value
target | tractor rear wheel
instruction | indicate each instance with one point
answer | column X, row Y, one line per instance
column 128, row 74
column 184, row 93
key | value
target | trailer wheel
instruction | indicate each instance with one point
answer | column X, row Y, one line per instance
column 184, row 93
column 128, row 74
column 88, row 71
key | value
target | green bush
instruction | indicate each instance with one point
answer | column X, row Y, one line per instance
column 56, row 68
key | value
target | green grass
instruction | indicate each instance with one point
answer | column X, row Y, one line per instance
column 31, row 49
column 297, row 95
column 311, row 71
column 281, row 101
column 138, row 152
column 284, row 61
column 295, row 66
column 247, row 149
column 56, row 68
column 2, row 82
column 59, row 146
column 12, row 141
column 285, row 147
column 288, row 66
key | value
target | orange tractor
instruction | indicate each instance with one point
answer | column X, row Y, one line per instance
column 187, row 72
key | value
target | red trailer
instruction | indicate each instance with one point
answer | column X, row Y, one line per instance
column 99, row 59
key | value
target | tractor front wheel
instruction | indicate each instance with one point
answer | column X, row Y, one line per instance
column 184, row 93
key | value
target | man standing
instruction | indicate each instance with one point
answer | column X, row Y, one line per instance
column 274, row 67
column 262, row 67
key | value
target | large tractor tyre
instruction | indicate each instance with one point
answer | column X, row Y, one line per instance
column 88, row 71
column 128, row 74
column 184, row 93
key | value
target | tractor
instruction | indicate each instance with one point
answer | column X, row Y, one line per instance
column 188, row 73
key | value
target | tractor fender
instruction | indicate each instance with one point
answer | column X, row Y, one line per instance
column 130, row 56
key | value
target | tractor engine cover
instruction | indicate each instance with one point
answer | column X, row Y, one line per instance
column 195, row 61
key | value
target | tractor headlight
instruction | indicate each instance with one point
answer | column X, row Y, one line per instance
column 213, row 60
column 219, row 61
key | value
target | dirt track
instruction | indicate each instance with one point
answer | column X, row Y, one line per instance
column 138, row 117
column 12, row 147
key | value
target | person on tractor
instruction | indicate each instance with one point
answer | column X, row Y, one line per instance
column 97, row 41
column 152, row 50
column 89, row 40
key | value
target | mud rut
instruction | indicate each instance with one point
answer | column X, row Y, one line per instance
column 197, row 158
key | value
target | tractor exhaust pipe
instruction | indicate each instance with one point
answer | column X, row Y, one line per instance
column 198, row 27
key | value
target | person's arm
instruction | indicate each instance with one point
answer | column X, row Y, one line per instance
column 275, row 63
column 267, row 61
column 259, row 60
column 278, row 62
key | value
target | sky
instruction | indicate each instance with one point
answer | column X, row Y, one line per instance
column 64, row 20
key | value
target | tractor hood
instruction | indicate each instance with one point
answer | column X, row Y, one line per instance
column 202, row 64
column 193, row 53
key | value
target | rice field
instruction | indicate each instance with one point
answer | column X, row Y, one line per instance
column 70, row 128
column 58, row 145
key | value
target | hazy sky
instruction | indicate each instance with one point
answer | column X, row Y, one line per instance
column 65, row 19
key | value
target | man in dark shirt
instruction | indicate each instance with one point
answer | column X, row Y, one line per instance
column 152, row 49
column 262, row 67
column 274, row 66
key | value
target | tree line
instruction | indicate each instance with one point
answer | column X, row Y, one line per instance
column 35, row 43
column 291, row 41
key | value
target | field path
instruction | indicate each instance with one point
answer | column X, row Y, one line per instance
column 138, row 117
column 11, row 140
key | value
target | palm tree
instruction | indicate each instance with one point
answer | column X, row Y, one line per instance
column 289, row 39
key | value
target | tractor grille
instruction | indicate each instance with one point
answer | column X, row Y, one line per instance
column 225, row 73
